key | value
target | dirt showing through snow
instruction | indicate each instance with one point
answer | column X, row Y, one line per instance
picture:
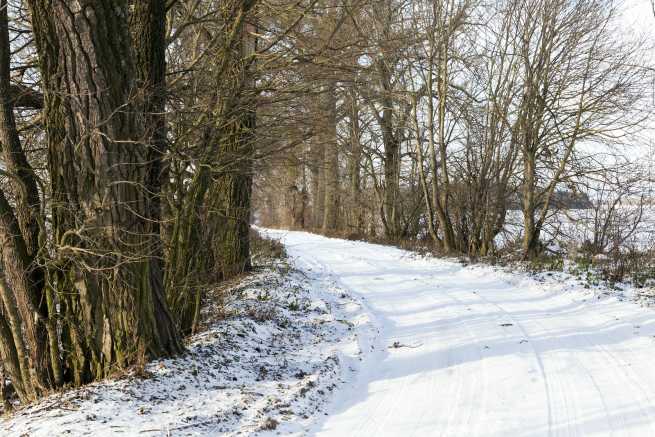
column 268, row 369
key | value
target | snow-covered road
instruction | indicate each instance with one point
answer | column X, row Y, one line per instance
column 482, row 352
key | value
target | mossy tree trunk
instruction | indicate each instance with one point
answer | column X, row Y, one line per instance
column 210, row 236
column 148, row 30
column 231, row 191
column 109, row 288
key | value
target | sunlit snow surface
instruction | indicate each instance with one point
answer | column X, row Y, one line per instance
column 483, row 352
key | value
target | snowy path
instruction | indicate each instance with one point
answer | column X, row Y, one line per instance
column 483, row 352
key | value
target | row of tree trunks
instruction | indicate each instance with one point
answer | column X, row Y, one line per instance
column 97, row 290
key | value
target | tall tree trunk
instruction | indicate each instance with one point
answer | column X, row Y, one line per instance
column 442, row 195
column 148, row 31
column 390, row 209
column 427, row 196
column 110, row 295
column 317, row 170
column 23, row 180
column 232, row 190
column 391, row 195
column 331, row 206
column 531, row 230
column 23, row 276
column 354, row 163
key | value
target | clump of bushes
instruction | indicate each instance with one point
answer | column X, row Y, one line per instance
column 265, row 250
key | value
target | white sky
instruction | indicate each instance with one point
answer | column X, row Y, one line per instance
column 638, row 16
column 639, row 22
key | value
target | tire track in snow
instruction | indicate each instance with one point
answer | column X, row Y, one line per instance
column 537, row 356
column 560, row 387
column 484, row 372
column 458, row 386
column 398, row 397
column 631, row 376
column 369, row 421
column 617, row 364
column 593, row 382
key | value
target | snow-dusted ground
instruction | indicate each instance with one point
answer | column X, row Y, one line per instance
column 369, row 340
column 267, row 369
column 466, row 351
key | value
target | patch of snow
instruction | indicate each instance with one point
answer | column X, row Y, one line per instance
column 268, row 368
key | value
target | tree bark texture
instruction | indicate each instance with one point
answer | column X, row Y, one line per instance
column 107, row 280
column 331, row 166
